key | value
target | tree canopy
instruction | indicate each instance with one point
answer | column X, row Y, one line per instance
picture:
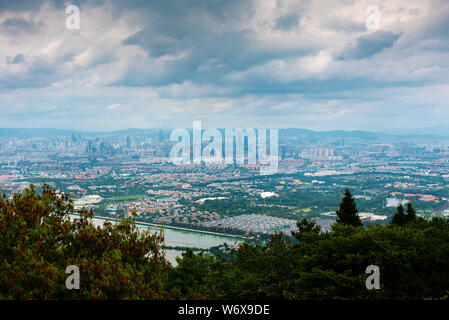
column 413, row 262
column 347, row 212
column 411, row 213
column 399, row 217
column 38, row 240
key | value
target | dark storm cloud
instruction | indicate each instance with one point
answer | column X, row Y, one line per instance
column 20, row 5
column 200, row 30
column 156, row 44
column 369, row 45
column 16, row 60
column 40, row 73
column 17, row 26
column 181, row 9
column 203, row 27
column 210, row 36
column 287, row 21
column 170, row 59
column 27, row 5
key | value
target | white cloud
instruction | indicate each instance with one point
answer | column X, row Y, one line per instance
column 260, row 63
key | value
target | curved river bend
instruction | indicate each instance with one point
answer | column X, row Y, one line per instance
column 179, row 238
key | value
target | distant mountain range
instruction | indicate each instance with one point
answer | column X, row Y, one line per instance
column 46, row 133
column 290, row 132
column 32, row 132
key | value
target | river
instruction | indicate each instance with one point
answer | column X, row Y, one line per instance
column 180, row 238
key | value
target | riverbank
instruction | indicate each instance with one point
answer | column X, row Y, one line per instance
column 177, row 228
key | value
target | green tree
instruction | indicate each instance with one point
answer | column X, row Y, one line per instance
column 399, row 217
column 347, row 212
column 188, row 277
column 38, row 240
column 411, row 213
column 413, row 262
column 305, row 226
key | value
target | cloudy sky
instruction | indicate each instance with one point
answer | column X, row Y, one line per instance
column 230, row 63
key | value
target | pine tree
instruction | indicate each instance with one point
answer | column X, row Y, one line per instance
column 306, row 226
column 399, row 217
column 347, row 212
column 411, row 213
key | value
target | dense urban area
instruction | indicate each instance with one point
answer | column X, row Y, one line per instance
column 129, row 171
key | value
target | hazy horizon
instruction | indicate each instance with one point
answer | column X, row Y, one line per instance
column 423, row 134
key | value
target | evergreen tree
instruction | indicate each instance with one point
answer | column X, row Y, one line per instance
column 306, row 226
column 411, row 213
column 399, row 217
column 347, row 212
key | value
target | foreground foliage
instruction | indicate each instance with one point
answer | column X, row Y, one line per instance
column 38, row 241
column 413, row 261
